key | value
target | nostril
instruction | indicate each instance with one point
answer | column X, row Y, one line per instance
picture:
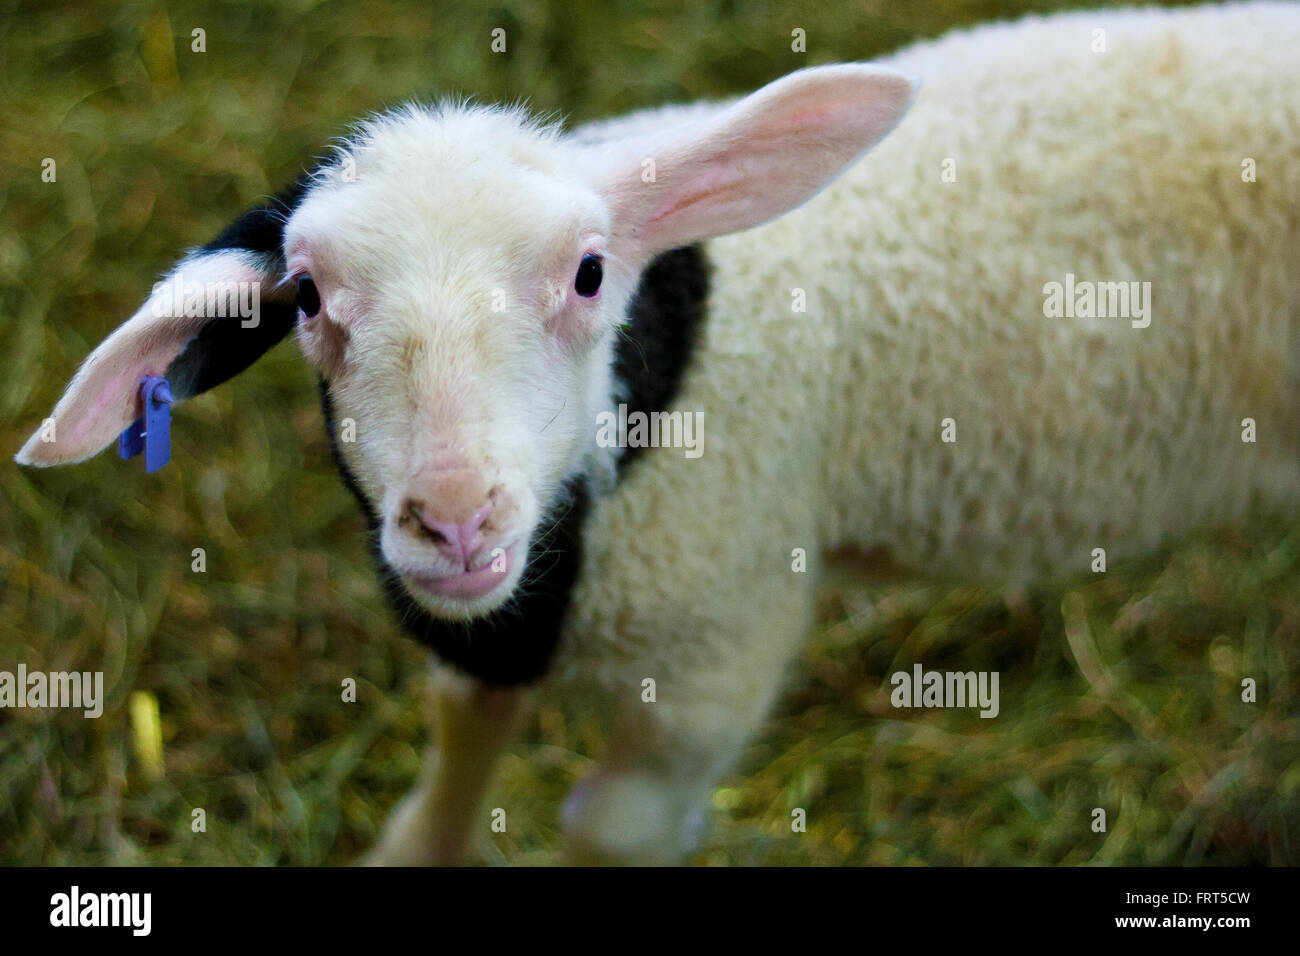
column 492, row 502
column 439, row 532
column 434, row 535
column 417, row 519
column 471, row 527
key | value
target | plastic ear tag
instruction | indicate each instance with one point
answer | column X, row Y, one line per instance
column 152, row 432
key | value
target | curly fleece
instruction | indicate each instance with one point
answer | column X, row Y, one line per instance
column 924, row 302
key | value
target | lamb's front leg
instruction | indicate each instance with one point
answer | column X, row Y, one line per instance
column 435, row 823
column 647, row 802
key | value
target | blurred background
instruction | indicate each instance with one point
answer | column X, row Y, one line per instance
column 223, row 688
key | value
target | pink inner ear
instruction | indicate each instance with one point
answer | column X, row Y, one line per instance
column 117, row 397
column 716, row 180
column 759, row 158
column 806, row 117
column 110, row 394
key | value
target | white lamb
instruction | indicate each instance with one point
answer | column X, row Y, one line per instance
column 1030, row 325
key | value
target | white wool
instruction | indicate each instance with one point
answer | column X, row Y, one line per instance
column 925, row 302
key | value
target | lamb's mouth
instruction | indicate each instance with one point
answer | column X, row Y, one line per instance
column 472, row 585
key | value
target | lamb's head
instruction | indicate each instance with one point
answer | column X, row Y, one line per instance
column 459, row 295
column 458, row 276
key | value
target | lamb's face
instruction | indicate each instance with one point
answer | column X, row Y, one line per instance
column 460, row 303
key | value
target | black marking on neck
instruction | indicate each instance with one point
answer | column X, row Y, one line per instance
column 664, row 318
column 514, row 644
column 225, row 347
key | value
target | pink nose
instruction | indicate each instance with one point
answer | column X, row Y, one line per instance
column 456, row 541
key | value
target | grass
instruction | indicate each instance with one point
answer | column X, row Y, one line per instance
column 1121, row 692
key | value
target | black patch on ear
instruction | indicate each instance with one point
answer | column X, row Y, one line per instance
column 514, row 645
column 224, row 347
column 664, row 319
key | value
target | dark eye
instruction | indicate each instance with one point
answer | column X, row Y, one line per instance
column 590, row 272
column 308, row 297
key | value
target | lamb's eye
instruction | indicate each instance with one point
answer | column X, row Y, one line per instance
column 308, row 297
column 590, row 272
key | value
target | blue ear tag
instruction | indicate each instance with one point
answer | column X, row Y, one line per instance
column 152, row 432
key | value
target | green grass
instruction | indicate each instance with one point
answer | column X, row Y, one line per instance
column 1135, row 707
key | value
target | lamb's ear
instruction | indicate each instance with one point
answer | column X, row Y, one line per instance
column 195, row 329
column 756, row 159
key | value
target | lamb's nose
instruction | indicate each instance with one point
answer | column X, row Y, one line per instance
column 456, row 541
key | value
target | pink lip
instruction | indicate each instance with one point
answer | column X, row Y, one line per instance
column 466, row 585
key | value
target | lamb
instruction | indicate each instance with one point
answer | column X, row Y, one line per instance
column 871, row 346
